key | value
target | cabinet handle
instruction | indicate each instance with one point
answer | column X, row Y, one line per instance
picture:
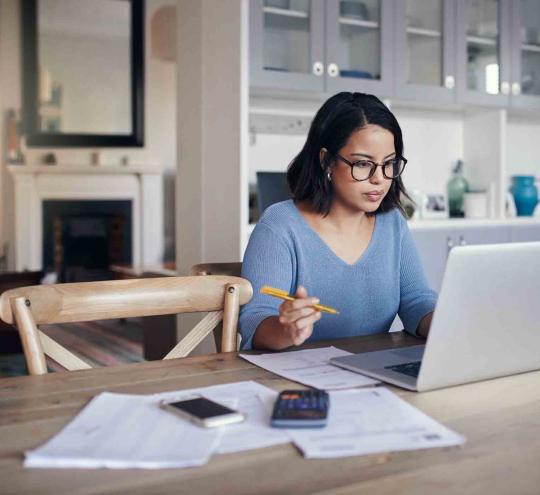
column 333, row 70
column 462, row 241
column 318, row 68
column 449, row 82
column 516, row 89
column 449, row 244
column 505, row 88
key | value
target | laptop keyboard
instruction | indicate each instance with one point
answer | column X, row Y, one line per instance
column 409, row 369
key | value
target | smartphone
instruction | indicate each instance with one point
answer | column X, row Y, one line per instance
column 203, row 412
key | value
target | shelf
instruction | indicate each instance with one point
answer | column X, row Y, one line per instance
column 430, row 33
column 298, row 14
column 530, row 48
column 132, row 168
column 452, row 223
column 358, row 22
column 478, row 40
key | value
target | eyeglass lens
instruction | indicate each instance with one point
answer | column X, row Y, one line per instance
column 391, row 169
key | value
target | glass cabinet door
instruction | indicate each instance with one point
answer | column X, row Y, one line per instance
column 526, row 53
column 359, row 37
column 485, row 51
column 425, row 52
column 287, row 44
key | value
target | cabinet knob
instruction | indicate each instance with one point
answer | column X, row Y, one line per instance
column 333, row 70
column 318, row 68
column 449, row 82
column 449, row 244
column 516, row 88
column 505, row 88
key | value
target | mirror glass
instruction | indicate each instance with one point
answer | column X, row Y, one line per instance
column 84, row 67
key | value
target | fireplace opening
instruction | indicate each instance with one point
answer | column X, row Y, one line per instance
column 82, row 239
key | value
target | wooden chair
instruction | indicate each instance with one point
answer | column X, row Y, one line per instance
column 28, row 307
column 233, row 269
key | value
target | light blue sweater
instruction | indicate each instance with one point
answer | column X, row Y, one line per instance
column 284, row 252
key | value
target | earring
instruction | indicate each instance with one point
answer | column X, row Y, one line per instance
column 329, row 176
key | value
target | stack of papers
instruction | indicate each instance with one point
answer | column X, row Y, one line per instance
column 126, row 431
column 311, row 367
column 131, row 431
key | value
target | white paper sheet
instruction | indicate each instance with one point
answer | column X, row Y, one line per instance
column 369, row 421
column 131, row 431
column 311, row 367
column 126, row 431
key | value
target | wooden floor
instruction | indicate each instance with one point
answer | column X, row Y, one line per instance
column 100, row 343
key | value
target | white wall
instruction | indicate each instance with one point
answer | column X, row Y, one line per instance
column 523, row 155
column 9, row 98
column 433, row 141
column 160, row 118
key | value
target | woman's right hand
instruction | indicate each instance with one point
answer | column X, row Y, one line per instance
column 298, row 317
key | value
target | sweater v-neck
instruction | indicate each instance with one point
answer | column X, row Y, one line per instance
column 313, row 233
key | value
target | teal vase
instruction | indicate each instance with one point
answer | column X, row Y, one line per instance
column 456, row 188
column 525, row 194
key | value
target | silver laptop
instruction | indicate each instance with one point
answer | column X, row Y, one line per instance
column 486, row 323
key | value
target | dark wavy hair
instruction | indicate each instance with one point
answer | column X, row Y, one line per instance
column 336, row 120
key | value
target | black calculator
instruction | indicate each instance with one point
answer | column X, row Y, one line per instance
column 301, row 409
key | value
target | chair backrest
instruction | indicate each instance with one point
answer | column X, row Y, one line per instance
column 232, row 268
column 27, row 307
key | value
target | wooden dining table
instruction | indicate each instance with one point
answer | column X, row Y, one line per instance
column 500, row 419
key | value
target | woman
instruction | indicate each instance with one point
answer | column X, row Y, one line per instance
column 342, row 239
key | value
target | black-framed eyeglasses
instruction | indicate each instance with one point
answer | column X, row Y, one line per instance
column 364, row 169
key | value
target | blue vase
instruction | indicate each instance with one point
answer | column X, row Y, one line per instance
column 525, row 194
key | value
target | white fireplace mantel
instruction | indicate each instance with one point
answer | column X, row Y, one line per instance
column 142, row 185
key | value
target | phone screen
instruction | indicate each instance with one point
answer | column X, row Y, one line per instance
column 201, row 408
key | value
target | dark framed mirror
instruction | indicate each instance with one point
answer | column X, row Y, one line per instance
column 83, row 72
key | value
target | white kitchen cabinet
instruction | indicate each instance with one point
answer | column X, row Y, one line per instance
column 525, row 233
column 434, row 245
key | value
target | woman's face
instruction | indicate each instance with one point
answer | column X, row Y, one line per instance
column 373, row 143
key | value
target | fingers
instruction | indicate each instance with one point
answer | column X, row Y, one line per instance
column 300, row 330
column 297, row 304
column 304, row 328
column 292, row 315
column 299, row 316
column 301, row 291
column 308, row 321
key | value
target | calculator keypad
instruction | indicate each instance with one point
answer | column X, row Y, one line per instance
column 314, row 401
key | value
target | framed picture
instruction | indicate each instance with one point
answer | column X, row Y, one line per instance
column 434, row 205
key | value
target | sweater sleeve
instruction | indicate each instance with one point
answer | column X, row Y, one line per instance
column 416, row 297
column 267, row 261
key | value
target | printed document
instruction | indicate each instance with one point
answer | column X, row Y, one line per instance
column 370, row 421
column 126, row 431
column 311, row 367
column 131, row 431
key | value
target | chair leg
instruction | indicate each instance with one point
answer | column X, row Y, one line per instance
column 33, row 351
column 230, row 318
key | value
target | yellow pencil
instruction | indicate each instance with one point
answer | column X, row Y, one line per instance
column 281, row 294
